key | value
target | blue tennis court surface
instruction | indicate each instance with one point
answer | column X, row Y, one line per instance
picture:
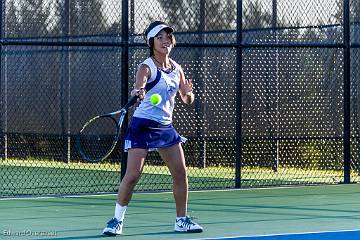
column 336, row 235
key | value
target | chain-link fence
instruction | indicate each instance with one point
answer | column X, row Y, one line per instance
column 276, row 85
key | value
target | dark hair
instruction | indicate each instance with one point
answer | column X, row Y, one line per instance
column 151, row 40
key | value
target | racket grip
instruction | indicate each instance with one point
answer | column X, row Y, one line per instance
column 131, row 102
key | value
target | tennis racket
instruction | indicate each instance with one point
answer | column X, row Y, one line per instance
column 98, row 137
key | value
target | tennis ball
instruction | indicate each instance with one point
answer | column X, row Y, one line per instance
column 155, row 99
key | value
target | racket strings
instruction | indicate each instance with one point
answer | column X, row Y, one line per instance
column 96, row 140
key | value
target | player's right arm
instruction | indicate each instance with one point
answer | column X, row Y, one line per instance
column 142, row 75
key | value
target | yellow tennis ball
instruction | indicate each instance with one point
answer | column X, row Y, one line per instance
column 155, row 99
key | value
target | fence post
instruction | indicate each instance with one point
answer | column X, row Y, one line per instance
column 201, row 103
column 65, row 86
column 274, row 140
column 124, row 74
column 238, row 135
column 347, row 92
column 5, row 83
column 3, row 116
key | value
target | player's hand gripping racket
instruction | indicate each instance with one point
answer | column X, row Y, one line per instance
column 99, row 136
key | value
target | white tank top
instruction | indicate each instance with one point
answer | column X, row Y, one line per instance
column 167, row 87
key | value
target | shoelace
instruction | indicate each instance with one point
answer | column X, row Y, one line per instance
column 113, row 223
column 187, row 222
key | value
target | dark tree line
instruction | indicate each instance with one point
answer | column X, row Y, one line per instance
column 39, row 18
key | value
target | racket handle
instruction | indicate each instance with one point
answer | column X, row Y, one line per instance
column 131, row 102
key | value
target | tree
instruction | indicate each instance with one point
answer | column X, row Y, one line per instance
column 355, row 12
column 82, row 17
column 181, row 12
column 255, row 17
column 34, row 18
column 12, row 25
column 186, row 15
column 30, row 19
column 338, row 15
column 226, row 9
column 86, row 17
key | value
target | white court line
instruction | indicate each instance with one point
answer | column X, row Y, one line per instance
column 165, row 192
column 277, row 234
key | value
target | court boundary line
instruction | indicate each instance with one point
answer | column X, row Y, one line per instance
column 279, row 234
column 101, row 194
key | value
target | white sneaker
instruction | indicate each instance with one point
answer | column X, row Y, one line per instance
column 187, row 225
column 113, row 228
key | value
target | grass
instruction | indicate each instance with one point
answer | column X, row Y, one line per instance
column 38, row 177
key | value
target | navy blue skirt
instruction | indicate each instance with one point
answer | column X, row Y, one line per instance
column 149, row 134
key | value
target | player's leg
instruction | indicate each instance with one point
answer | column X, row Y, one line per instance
column 135, row 164
column 174, row 158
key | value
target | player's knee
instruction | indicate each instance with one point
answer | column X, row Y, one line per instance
column 131, row 179
column 180, row 176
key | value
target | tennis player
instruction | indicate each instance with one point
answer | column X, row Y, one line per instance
column 151, row 127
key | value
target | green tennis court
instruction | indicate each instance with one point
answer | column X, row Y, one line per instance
column 228, row 213
column 273, row 148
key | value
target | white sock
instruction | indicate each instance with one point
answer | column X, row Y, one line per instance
column 120, row 212
column 178, row 218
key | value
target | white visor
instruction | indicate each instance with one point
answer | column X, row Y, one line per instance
column 153, row 32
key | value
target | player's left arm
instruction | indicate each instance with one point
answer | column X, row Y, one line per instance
column 186, row 89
